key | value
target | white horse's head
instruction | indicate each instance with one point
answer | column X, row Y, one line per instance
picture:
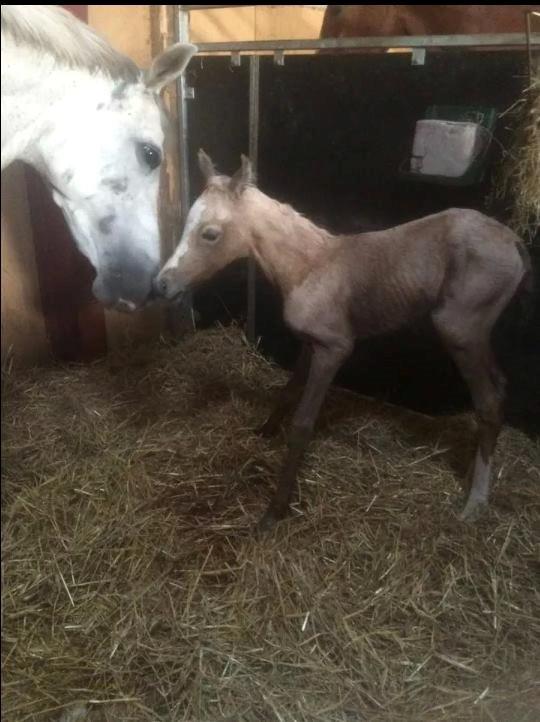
column 93, row 125
column 103, row 161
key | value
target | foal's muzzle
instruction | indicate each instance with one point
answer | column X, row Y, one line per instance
column 168, row 285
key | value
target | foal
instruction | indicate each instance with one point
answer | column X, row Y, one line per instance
column 459, row 267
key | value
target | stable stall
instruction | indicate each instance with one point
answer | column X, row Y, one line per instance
column 134, row 586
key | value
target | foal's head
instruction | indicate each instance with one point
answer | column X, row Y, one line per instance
column 215, row 233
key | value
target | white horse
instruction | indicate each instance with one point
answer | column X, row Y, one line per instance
column 90, row 122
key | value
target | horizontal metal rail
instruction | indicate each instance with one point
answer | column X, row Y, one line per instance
column 212, row 7
column 399, row 41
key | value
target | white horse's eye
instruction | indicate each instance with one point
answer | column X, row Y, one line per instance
column 149, row 155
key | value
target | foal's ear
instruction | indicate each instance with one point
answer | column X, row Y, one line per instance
column 168, row 66
column 205, row 164
column 243, row 177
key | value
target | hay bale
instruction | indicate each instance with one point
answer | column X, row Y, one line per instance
column 518, row 179
column 133, row 588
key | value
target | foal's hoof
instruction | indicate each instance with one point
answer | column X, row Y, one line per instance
column 473, row 511
column 267, row 522
column 267, row 431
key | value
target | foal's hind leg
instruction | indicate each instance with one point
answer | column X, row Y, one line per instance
column 499, row 381
column 289, row 394
column 470, row 349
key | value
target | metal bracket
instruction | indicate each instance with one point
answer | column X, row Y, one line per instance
column 418, row 56
column 279, row 57
column 189, row 93
column 236, row 60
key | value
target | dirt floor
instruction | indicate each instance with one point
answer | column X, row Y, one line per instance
column 135, row 589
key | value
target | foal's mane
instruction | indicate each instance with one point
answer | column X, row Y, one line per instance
column 53, row 30
column 284, row 213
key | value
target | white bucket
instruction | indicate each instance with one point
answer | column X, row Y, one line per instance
column 446, row 148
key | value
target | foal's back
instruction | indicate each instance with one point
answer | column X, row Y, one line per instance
column 402, row 273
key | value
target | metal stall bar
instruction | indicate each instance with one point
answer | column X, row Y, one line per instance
column 398, row 41
column 254, row 156
column 533, row 62
column 212, row 7
column 183, row 37
column 180, row 314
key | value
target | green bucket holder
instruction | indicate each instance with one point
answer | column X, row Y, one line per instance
column 484, row 117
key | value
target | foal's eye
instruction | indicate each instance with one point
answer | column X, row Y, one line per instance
column 211, row 234
column 149, row 155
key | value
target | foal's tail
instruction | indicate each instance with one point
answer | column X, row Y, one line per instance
column 525, row 290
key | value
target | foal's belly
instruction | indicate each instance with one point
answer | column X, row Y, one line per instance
column 329, row 310
column 386, row 308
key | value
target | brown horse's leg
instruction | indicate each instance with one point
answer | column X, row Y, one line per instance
column 325, row 362
column 289, row 395
column 474, row 358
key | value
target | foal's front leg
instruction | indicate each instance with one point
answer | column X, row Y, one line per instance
column 325, row 362
column 289, row 394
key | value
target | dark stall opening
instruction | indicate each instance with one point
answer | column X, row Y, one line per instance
column 334, row 132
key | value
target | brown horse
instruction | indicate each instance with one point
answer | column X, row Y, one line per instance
column 459, row 267
column 349, row 21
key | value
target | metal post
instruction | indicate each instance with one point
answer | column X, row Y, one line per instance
column 254, row 156
column 213, row 7
column 532, row 60
column 180, row 314
column 529, row 51
column 183, row 37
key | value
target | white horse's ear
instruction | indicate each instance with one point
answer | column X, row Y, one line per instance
column 207, row 167
column 168, row 66
column 243, row 177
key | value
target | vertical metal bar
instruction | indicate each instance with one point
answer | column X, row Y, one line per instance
column 182, row 311
column 183, row 37
column 531, row 59
column 529, row 51
column 254, row 157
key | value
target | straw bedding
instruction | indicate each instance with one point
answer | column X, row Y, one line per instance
column 134, row 588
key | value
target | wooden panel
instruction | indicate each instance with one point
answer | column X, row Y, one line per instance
column 262, row 22
column 23, row 324
column 126, row 27
column 273, row 22
column 73, row 318
column 222, row 25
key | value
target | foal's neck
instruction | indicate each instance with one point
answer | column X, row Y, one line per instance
column 286, row 245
